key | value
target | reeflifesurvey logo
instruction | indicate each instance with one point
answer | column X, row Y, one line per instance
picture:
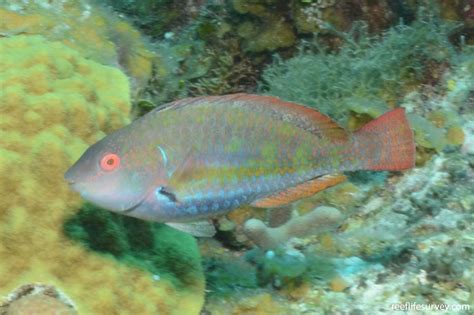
column 429, row 307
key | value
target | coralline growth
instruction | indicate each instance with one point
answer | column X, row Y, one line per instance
column 320, row 220
column 54, row 103
column 93, row 31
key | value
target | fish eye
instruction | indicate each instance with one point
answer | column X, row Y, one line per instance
column 110, row 161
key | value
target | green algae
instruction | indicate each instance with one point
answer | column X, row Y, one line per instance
column 427, row 134
column 366, row 70
column 156, row 248
column 225, row 276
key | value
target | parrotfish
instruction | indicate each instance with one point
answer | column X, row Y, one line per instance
column 191, row 160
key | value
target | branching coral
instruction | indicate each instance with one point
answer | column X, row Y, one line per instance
column 319, row 220
column 54, row 102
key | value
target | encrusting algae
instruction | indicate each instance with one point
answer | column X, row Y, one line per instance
column 54, row 103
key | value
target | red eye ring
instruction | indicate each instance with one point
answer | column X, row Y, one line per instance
column 110, row 162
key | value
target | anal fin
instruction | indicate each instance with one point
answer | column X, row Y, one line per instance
column 300, row 191
column 198, row 228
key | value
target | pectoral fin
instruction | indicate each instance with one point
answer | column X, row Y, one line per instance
column 298, row 192
column 189, row 169
column 198, row 229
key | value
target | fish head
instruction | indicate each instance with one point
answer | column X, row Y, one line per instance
column 112, row 174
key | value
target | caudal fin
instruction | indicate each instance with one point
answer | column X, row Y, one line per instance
column 386, row 143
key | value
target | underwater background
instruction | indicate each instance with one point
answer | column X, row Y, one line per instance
column 72, row 71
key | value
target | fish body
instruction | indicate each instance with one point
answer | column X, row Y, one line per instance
column 200, row 157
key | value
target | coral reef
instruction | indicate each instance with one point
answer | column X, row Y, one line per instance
column 422, row 193
column 194, row 69
column 320, row 220
column 274, row 35
column 410, row 241
column 156, row 18
column 365, row 77
column 407, row 229
column 222, row 47
column 260, row 305
column 315, row 16
column 311, row 17
column 93, row 31
column 406, row 237
column 37, row 299
column 256, row 304
column 54, row 103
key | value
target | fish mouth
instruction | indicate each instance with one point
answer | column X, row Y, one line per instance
column 68, row 176
column 73, row 186
column 69, row 180
column 129, row 210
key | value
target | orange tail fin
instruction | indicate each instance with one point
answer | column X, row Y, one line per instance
column 386, row 143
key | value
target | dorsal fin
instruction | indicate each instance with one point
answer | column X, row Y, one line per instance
column 185, row 102
column 302, row 116
column 298, row 192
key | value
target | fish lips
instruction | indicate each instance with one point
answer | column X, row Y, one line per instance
column 69, row 177
column 77, row 187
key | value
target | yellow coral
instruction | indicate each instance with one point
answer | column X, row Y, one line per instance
column 260, row 305
column 455, row 135
column 94, row 32
column 338, row 284
column 53, row 104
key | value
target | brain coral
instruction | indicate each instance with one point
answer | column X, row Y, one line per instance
column 53, row 103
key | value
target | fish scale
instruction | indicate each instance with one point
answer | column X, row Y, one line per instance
column 199, row 157
column 263, row 159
